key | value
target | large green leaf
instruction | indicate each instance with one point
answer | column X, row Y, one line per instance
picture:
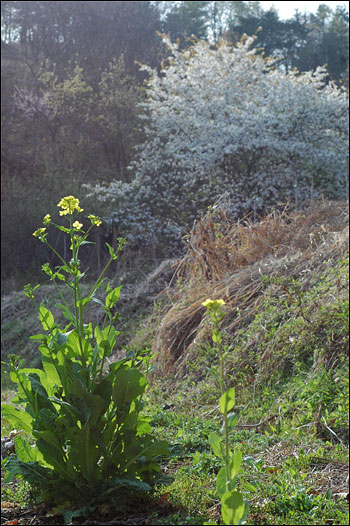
column 129, row 383
column 53, row 453
column 46, row 421
column 52, row 377
column 235, row 463
column 233, row 508
column 26, row 451
column 232, row 420
column 106, row 339
column 216, row 443
column 142, row 451
column 67, row 406
column 98, row 406
column 143, row 427
column 33, row 472
column 103, row 389
column 113, row 297
column 227, row 400
column 61, row 338
column 46, row 318
column 50, row 437
column 20, row 419
column 135, row 483
column 40, row 392
column 73, row 345
column 221, row 484
column 84, row 452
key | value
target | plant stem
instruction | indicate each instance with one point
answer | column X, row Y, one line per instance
column 222, row 391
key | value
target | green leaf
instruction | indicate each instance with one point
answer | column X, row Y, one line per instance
column 103, row 389
column 32, row 472
column 96, row 300
column 62, row 337
column 129, row 384
column 26, row 452
column 52, row 376
column 98, row 406
column 20, row 419
column 227, row 400
column 113, row 297
column 235, row 463
column 216, row 443
column 232, row 420
column 143, row 427
column 64, row 229
column 120, row 482
column 221, row 482
column 87, row 243
column 216, row 336
column 46, row 318
column 40, row 391
column 73, row 344
column 37, row 337
column 60, row 276
column 83, row 302
column 111, row 251
column 66, row 312
column 69, row 407
column 52, row 452
column 150, row 448
column 233, row 508
column 221, row 485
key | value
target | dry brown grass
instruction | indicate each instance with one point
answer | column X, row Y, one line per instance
column 227, row 259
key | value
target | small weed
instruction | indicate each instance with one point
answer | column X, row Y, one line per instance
column 18, row 492
column 191, row 491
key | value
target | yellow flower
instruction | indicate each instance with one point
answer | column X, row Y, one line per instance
column 95, row 220
column 39, row 232
column 77, row 225
column 213, row 303
column 69, row 204
column 47, row 219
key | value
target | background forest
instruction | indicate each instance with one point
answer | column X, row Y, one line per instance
column 74, row 104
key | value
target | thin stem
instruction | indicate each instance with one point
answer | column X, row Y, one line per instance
column 99, row 279
column 222, row 391
column 57, row 254
column 76, row 292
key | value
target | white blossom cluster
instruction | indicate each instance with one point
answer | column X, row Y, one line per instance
column 226, row 119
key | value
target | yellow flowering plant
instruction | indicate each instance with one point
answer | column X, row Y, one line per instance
column 90, row 439
column 233, row 508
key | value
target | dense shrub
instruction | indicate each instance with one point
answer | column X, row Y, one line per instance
column 224, row 119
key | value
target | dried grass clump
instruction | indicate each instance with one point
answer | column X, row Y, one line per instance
column 218, row 245
column 227, row 259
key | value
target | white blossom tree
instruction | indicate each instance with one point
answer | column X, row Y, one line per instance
column 223, row 119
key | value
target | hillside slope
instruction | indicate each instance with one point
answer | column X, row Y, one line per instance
column 287, row 271
column 284, row 280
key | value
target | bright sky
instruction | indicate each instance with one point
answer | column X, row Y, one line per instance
column 287, row 9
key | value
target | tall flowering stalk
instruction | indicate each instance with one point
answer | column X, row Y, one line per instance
column 89, row 437
column 233, row 508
